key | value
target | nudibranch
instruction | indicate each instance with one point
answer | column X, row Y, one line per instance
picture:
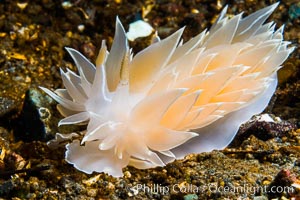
column 172, row 98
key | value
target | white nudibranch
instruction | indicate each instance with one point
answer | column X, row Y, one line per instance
column 172, row 98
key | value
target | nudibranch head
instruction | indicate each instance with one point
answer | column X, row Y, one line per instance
column 170, row 99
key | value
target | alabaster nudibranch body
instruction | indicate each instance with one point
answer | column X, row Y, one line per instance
column 172, row 98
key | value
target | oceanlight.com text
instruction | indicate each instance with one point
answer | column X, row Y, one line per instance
column 189, row 188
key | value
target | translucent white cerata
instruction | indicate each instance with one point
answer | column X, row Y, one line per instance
column 172, row 98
